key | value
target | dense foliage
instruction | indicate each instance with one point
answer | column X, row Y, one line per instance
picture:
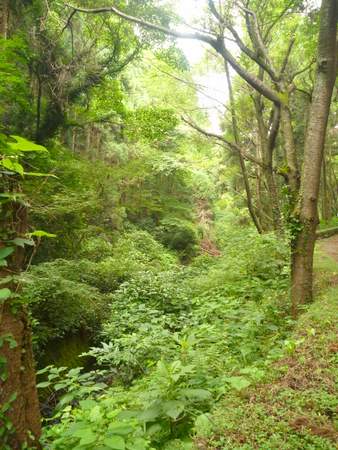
column 145, row 261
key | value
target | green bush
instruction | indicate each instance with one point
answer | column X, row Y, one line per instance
column 179, row 235
column 61, row 306
column 145, row 312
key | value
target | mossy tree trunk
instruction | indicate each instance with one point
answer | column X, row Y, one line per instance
column 20, row 416
column 306, row 214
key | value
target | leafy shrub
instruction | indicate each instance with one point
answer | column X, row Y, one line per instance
column 84, row 417
column 66, row 296
column 180, row 235
column 61, row 306
column 96, row 248
column 145, row 312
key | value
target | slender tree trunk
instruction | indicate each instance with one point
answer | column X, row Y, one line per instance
column 247, row 188
column 291, row 155
column 307, row 213
column 4, row 18
column 38, row 107
column 267, row 155
column 326, row 200
column 17, row 385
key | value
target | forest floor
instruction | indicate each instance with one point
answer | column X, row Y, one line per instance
column 296, row 406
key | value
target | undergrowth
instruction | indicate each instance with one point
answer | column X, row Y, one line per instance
column 295, row 407
column 175, row 343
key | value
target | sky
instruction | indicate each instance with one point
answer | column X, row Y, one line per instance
column 215, row 83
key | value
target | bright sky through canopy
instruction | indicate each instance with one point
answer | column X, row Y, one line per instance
column 215, row 83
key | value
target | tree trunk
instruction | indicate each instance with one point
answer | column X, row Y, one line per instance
column 4, row 18
column 307, row 213
column 247, row 188
column 291, row 155
column 21, row 420
column 326, row 200
column 267, row 156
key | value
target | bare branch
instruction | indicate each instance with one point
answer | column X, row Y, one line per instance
column 287, row 56
column 214, row 11
column 258, row 41
column 111, row 9
column 252, row 55
column 229, row 144
column 304, row 69
column 274, row 127
column 72, row 14
column 251, row 79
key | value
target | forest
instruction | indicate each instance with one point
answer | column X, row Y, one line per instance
column 168, row 225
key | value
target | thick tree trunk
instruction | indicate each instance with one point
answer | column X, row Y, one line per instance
column 17, row 384
column 307, row 214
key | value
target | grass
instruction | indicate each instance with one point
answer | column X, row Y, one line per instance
column 296, row 406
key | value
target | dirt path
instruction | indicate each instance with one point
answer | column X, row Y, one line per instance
column 330, row 246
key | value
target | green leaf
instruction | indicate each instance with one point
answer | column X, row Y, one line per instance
column 6, row 251
column 5, row 294
column 238, row 383
column 95, row 414
column 21, row 242
column 115, row 442
column 23, row 145
column 150, row 414
column 43, row 384
column 41, row 233
column 87, row 404
column 153, row 429
column 138, row 444
column 120, row 428
column 196, row 394
column 87, row 437
column 13, row 166
column 173, row 408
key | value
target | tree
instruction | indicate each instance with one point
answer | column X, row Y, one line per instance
column 307, row 208
column 19, row 413
column 276, row 86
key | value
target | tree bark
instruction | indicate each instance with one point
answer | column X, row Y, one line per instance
column 293, row 173
column 18, row 384
column 306, row 215
column 4, row 18
column 325, row 194
column 267, row 155
column 247, row 188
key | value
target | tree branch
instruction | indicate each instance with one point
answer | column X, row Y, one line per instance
column 231, row 145
column 304, row 69
column 111, row 9
column 252, row 80
column 217, row 44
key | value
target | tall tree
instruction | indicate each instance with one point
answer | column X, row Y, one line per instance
column 307, row 208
